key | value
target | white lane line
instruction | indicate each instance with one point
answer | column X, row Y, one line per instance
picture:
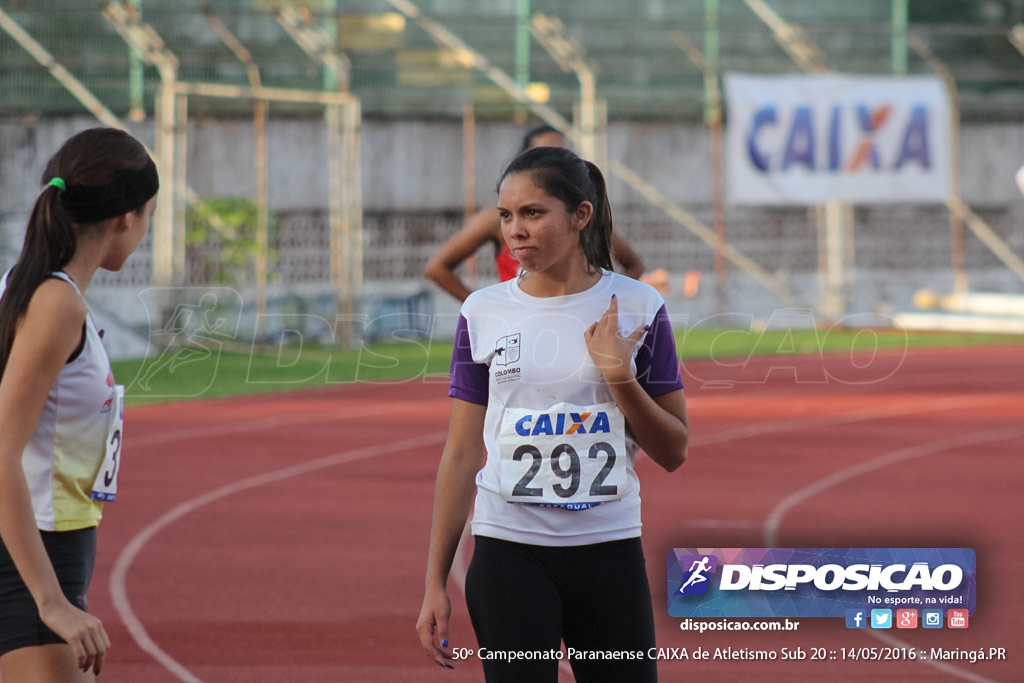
column 774, row 520
column 127, row 556
column 763, row 428
column 795, row 424
column 746, row 431
column 252, row 424
column 750, row 431
column 119, row 573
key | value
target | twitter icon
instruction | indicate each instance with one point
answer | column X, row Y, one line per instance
column 881, row 618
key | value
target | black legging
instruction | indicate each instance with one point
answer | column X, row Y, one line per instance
column 527, row 598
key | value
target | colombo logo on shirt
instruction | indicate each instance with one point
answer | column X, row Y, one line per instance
column 507, row 350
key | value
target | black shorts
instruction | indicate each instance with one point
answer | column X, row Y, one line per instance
column 527, row 600
column 73, row 554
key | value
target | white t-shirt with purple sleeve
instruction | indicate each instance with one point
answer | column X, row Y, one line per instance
column 559, row 467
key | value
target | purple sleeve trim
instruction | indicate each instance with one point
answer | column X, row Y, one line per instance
column 657, row 366
column 467, row 379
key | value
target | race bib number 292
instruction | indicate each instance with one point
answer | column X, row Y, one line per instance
column 566, row 456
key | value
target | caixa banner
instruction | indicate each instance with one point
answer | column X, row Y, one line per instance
column 804, row 140
column 817, row 582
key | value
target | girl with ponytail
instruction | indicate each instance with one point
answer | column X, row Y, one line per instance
column 60, row 411
column 558, row 378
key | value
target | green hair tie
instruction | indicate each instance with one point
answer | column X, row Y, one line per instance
column 58, row 183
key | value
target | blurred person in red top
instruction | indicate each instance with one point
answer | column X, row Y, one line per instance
column 485, row 227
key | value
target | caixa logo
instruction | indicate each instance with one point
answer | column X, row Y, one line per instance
column 696, row 579
column 557, row 424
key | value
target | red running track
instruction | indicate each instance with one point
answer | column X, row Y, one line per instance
column 283, row 537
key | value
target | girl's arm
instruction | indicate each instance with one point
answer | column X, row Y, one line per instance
column 659, row 424
column 481, row 229
column 454, row 489
column 48, row 334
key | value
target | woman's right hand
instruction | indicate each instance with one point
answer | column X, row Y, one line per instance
column 82, row 631
column 432, row 627
column 454, row 487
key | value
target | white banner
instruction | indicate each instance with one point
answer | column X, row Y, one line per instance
column 806, row 140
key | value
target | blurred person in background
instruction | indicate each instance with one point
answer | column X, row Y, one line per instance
column 485, row 228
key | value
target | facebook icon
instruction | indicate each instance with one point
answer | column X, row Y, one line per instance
column 856, row 618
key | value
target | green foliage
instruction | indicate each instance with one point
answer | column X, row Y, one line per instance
column 221, row 234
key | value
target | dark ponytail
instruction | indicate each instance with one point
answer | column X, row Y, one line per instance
column 596, row 240
column 568, row 178
column 97, row 174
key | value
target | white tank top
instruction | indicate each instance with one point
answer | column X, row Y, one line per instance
column 67, row 449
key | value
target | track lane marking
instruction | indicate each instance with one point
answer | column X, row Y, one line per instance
column 123, row 563
column 118, row 578
column 773, row 522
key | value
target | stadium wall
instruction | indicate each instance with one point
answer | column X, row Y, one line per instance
column 413, row 197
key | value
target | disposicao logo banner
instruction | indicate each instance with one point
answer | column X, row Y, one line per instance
column 817, row 582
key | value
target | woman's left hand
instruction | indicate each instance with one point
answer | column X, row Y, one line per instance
column 610, row 351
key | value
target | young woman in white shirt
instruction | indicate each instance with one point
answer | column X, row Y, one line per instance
column 558, row 378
